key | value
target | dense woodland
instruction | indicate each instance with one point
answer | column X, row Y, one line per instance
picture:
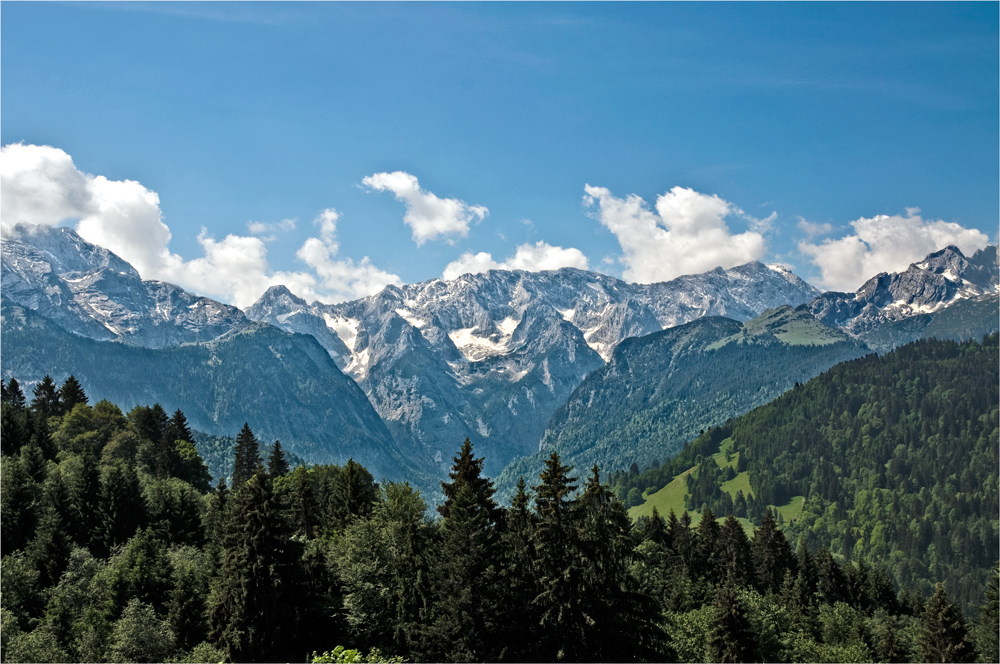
column 116, row 548
column 896, row 455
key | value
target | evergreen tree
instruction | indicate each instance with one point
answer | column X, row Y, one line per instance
column 987, row 630
column 943, row 636
column 467, row 470
column 731, row 638
column 518, row 583
column 46, row 398
column 19, row 508
column 122, row 506
column 707, row 546
column 277, row 465
column 830, row 580
column 85, row 495
column 736, row 559
column 70, row 394
column 772, row 555
column 252, row 611
column 12, row 394
column 353, row 494
column 247, row 456
column 562, row 621
column 303, row 507
column 49, row 550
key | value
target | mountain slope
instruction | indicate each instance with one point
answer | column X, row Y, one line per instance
column 659, row 390
column 892, row 309
column 90, row 291
column 286, row 386
column 491, row 356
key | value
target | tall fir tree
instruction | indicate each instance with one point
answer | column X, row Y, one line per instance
column 731, row 638
column 562, row 622
column 464, row 616
column 46, row 398
column 519, row 586
column 353, row 494
column 253, row 614
column 71, row 394
column 943, row 636
column 277, row 464
column 247, row 456
column 772, row 555
column 987, row 629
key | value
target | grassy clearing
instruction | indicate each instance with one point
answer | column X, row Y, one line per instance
column 792, row 508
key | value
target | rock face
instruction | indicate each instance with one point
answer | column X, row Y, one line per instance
column 90, row 291
column 944, row 278
column 491, row 356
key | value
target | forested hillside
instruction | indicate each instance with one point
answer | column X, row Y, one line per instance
column 895, row 456
column 115, row 548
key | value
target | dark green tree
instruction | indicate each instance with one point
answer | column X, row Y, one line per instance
column 122, row 505
column 987, row 630
column 562, row 622
column 772, row 555
column 13, row 394
column 519, row 587
column 943, row 636
column 71, row 394
column 46, row 398
column 253, row 612
column 731, row 638
column 353, row 494
column 277, row 465
column 247, row 456
column 735, row 557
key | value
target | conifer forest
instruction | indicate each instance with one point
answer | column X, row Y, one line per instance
column 118, row 545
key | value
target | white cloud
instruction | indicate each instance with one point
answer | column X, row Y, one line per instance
column 686, row 235
column 262, row 228
column 814, row 229
column 530, row 257
column 430, row 217
column 885, row 244
column 41, row 185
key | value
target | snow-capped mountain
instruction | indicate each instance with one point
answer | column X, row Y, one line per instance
column 491, row 356
column 943, row 278
column 90, row 291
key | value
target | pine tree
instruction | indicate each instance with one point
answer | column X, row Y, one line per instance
column 563, row 624
column 252, row 611
column 19, row 508
column 277, row 465
column 122, row 506
column 467, row 470
column 830, row 580
column 247, row 456
column 987, row 630
column 706, row 547
column 303, row 507
column 70, row 394
column 518, row 583
column 943, row 636
column 46, row 398
column 353, row 494
column 12, row 394
column 731, row 638
column 772, row 555
column 736, row 558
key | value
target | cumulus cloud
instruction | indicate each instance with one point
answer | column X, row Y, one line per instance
column 885, row 244
column 41, row 185
column 530, row 257
column 687, row 233
column 430, row 217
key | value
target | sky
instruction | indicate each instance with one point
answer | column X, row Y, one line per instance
column 340, row 147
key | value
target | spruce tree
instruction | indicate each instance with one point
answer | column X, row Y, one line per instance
column 353, row 494
column 731, row 638
column 122, row 506
column 13, row 394
column 562, row 621
column 247, row 456
column 943, row 636
column 987, row 630
column 467, row 470
column 736, row 559
column 772, row 555
column 19, row 508
column 46, row 398
column 277, row 465
column 518, row 583
column 253, row 612
column 70, row 394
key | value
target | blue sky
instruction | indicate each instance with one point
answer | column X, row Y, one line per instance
column 763, row 130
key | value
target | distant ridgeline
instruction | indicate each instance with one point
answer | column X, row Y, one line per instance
column 115, row 548
column 889, row 459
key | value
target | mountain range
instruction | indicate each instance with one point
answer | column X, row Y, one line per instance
column 400, row 378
